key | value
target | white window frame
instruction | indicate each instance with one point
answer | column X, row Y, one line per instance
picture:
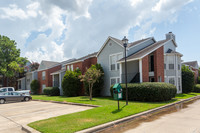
column 72, row 69
column 115, row 79
column 68, row 68
column 173, row 78
column 43, row 75
column 43, row 87
column 116, row 61
column 167, row 81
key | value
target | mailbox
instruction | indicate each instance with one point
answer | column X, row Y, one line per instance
column 117, row 92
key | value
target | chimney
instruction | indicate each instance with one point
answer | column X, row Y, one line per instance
column 170, row 35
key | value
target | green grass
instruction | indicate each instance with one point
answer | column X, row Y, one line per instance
column 185, row 96
column 96, row 116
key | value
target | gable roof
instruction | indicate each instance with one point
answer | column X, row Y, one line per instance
column 47, row 64
column 149, row 49
column 192, row 64
column 81, row 59
column 120, row 43
column 170, row 51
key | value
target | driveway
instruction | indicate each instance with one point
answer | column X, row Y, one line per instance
column 15, row 115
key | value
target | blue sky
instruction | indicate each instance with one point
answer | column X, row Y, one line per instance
column 64, row 29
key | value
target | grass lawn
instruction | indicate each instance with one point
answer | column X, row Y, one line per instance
column 96, row 116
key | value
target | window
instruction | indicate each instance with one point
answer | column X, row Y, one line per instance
column 166, row 80
column 172, row 80
column 179, row 67
column 72, row 68
column 68, row 68
column 171, row 62
column 43, row 75
column 171, row 66
column 165, row 66
column 114, row 80
column 77, row 67
column 113, row 61
column 159, row 79
column 43, row 86
column 10, row 89
column 3, row 90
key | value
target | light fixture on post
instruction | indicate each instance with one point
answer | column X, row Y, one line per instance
column 125, row 43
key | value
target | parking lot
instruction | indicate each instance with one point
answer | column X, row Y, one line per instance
column 15, row 115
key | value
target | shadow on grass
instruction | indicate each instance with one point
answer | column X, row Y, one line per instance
column 117, row 111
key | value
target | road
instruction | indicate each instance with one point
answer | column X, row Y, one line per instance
column 186, row 120
column 15, row 115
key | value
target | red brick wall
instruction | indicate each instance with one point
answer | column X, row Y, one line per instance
column 159, row 64
column 79, row 65
column 88, row 63
column 48, row 78
column 196, row 74
column 145, row 69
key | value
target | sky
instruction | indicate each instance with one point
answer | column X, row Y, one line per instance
column 57, row 30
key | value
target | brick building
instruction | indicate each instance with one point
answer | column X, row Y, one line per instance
column 44, row 73
column 148, row 60
column 82, row 63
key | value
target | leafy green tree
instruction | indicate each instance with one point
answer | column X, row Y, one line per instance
column 187, row 79
column 10, row 60
column 91, row 76
column 98, row 86
column 71, row 84
column 35, row 86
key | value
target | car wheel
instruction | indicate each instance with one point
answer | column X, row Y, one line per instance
column 2, row 101
column 26, row 99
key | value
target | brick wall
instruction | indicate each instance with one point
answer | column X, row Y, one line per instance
column 48, row 78
column 145, row 69
column 159, row 64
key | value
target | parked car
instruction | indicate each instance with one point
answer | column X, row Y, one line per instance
column 13, row 96
column 11, row 89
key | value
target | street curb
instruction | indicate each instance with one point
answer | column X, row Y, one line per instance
column 78, row 104
column 132, row 117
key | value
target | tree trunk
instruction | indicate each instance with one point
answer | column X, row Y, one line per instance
column 90, row 89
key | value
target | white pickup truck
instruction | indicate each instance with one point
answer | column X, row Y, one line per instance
column 7, row 89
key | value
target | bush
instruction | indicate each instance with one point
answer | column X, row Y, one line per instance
column 71, row 84
column 51, row 91
column 187, row 79
column 98, row 86
column 148, row 91
column 35, row 85
column 198, row 80
column 197, row 88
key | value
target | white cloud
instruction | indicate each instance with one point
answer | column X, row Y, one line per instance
column 81, row 25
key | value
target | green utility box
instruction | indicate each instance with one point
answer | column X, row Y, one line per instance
column 117, row 92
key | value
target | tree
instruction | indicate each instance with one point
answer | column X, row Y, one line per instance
column 34, row 66
column 187, row 79
column 35, row 86
column 91, row 76
column 98, row 86
column 10, row 60
column 71, row 84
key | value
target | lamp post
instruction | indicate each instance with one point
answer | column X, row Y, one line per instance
column 125, row 42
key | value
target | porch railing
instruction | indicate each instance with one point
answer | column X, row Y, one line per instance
column 131, row 78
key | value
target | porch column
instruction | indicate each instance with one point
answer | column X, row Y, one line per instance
column 140, row 69
column 120, row 72
column 60, row 82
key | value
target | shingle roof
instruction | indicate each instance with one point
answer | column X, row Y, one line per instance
column 145, row 51
column 132, row 43
column 46, row 64
column 88, row 56
column 172, row 51
column 191, row 63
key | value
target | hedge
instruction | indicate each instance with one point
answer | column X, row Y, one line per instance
column 148, row 91
column 71, row 84
column 197, row 88
column 187, row 79
column 35, row 87
column 51, row 91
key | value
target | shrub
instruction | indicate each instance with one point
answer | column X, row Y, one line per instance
column 197, row 88
column 148, row 91
column 51, row 91
column 71, row 84
column 187, row 79
column 35, row 87
column 198, row 80
column 98, row 86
